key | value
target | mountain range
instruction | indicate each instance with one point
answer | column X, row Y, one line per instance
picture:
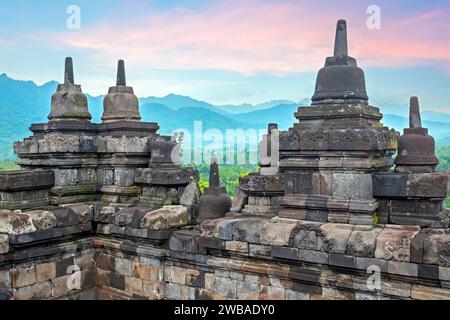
column 24, row 102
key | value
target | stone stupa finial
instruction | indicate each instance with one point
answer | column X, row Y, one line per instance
column 416, row 149
column 340, row 80
column 214, row 202
column 68, row 71
column 69, row 103
column 340, row 42
column 414, row 113
column 214, row 178
column 121, row 79
column 121, row 104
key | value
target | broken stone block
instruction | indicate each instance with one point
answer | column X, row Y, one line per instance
column 184, row 240
column 241, row 229
column 16, row 223
column 278, row 232
column 240, row 199
column 362, row 241
column 236, row 246
column 84, row 212
column 106, row 214
column 4, row 243
column 167, row 217
column 42, row 220
column 335, row 237
column 428, row 185
column 436, row 248
column 190, row 195
column 123, row 216
column 394, row 242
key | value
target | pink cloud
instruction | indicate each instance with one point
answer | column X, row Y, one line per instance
column 253, row 36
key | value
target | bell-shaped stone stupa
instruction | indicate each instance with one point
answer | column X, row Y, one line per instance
column 215, row 202
column 121, row 103
column 69, row 103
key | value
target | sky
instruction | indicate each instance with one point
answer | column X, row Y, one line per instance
column 230, row 51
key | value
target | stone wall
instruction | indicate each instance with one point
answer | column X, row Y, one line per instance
column 305, row 261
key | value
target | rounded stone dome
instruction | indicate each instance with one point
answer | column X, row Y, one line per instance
column 214, row 203
column 340, row 82
column 416, row 148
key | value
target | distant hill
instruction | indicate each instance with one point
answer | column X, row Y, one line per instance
column 23, row 103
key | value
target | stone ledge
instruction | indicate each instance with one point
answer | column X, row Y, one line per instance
column 26, row 180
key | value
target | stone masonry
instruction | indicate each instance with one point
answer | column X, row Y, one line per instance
column 106, row 211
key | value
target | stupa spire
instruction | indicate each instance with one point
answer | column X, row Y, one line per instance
column 214, row 178
column 121, row 79
column 340, row 42
column 414, row 113
column 68, row 71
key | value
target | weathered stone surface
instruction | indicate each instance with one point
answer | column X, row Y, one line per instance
column 4, row 243
column 364, row 263
column 123, row 266
column 173, row 291
column 436, row 248
column 390, row 185
column 278, row 233
column 236, row 246
column 335, row 237
column 38, row 291
column 272, row 293
column 313, row 256
column 284, row 253
column 152, row 290
column 226, row 287
column 248, row 291
column 191, row 195
column 257, row 250
column 340, row 260
column 16, row 223
column 184, row 240
column 309, row 236
column 26, row 180
column 45, row 271
column 23, row 276
column 428, row 272
column 429, row 293
column 240, row 199
column 167, row 217
column 106, row 214
column 402, row 268
column 42, row 220
column 393, row 243
column 428, row 185
column 242, row 229
column 362, row 241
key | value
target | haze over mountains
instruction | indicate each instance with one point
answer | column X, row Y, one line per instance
column 24, row 102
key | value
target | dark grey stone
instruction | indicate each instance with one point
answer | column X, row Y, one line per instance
column 117, row 281
column 26, row 180
column 212, row 243
column 427, row 271
column 390, row 185
column 184, row 240
column 340, row 260
column 285, row 253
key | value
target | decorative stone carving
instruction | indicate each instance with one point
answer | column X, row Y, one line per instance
column 394, row 242
column 168, row 217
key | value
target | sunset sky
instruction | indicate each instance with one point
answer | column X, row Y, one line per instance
column 229, row 51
